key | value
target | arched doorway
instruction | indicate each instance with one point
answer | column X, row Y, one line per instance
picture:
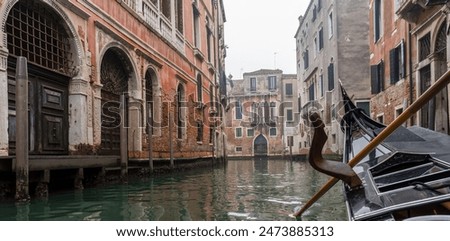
column 442, row 114
column 260, row 146
column 37, row 32
column 115, row 73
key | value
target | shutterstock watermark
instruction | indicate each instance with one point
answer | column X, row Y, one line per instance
column 191, row 113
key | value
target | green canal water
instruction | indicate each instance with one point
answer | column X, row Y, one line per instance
column 240, row 190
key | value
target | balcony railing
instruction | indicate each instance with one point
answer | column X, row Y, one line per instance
column 153, row 17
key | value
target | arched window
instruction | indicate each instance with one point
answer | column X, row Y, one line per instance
column 441, row 50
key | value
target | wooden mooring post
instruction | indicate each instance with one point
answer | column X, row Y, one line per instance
column 123, row 138
column 22, row 162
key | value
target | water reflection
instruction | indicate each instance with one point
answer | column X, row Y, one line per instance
column 258, row 189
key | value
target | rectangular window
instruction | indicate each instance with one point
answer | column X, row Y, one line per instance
column 289, row 89
column 272, row 83
column 238, row 110
column 377, row 78
column 330, row 25
column 380, row 119
column 320, row 38
column 316, row 46
column 208, row 43
column 289, row 115
column 250, row 132
column 331, row 77
column 273, row 131
column 311, row 92
column 314, row 14
column 196, row 16
column 166, row 9
column 253, row 84
column 397, row 63
column 179, row 15
column 398, row 112
column 199, row 131
column 364, row 105
column 273, row 111
column 319, row 5
column 239, row 149
column 238, row 132
column 306, row 59
column 377, row 19
column 424, row 47
column 321, row 88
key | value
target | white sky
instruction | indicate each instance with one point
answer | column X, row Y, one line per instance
column 260, row 35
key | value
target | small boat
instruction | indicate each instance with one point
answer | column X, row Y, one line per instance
column 389, row 172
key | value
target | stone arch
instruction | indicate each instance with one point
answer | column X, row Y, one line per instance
column 153, row 105
column 73, row 92
column 260, row 146
column 440, row 68
column 78, row 58
column 117, row 77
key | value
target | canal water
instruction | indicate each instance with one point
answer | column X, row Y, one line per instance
column 241, row 190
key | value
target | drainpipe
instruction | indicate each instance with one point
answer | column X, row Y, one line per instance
column 22, row 162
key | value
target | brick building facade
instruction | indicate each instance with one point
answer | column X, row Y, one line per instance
column 389, row 44
column 165, row 56
column 414, row 38
column 332, row 49
column 262, row 114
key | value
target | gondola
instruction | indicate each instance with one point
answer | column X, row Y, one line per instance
column 388, row 172
column 405, row 177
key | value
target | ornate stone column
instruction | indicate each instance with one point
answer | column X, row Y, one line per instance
column 96, row 114
column 78, row 114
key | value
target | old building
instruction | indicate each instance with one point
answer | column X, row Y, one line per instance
column 332, row 48
column 262, row 114
column 427, row 56
column 165, row 57
column 390, row 72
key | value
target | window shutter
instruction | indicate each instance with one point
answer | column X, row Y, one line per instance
column 331, row 77
column 374, row 78
column 321, row 38
column 394, row 65
column 381, row 76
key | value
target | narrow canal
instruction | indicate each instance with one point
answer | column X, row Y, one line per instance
column 241, row 190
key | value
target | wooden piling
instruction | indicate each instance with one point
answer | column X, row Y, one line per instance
column 22, row 165
column 172, row 165
column 149, row 141
column 123, row 138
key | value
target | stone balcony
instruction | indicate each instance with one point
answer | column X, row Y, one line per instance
column 411, row 9
column 152, row 16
